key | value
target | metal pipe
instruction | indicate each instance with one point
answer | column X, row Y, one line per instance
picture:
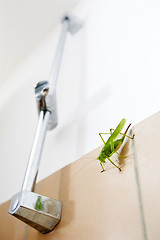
column 51, row 99
column 35, row 156
column 46, row 97
column 58, row 55
column 70, row 24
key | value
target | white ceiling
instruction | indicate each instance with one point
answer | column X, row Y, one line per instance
column 23, row 24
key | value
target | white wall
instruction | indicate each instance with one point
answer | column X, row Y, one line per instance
column 123, row 57
column 110, row 70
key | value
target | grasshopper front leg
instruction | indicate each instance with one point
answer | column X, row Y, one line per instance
column 102, row 167
column 114, row 164
column 100, row 134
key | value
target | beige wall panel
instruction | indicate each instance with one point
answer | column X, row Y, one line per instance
column 102, row 205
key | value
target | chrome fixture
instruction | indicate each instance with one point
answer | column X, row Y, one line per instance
column 38, row 211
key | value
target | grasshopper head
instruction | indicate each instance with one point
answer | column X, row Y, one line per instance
column 101, row 157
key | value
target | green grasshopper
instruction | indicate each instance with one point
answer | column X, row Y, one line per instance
column 112, row 144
